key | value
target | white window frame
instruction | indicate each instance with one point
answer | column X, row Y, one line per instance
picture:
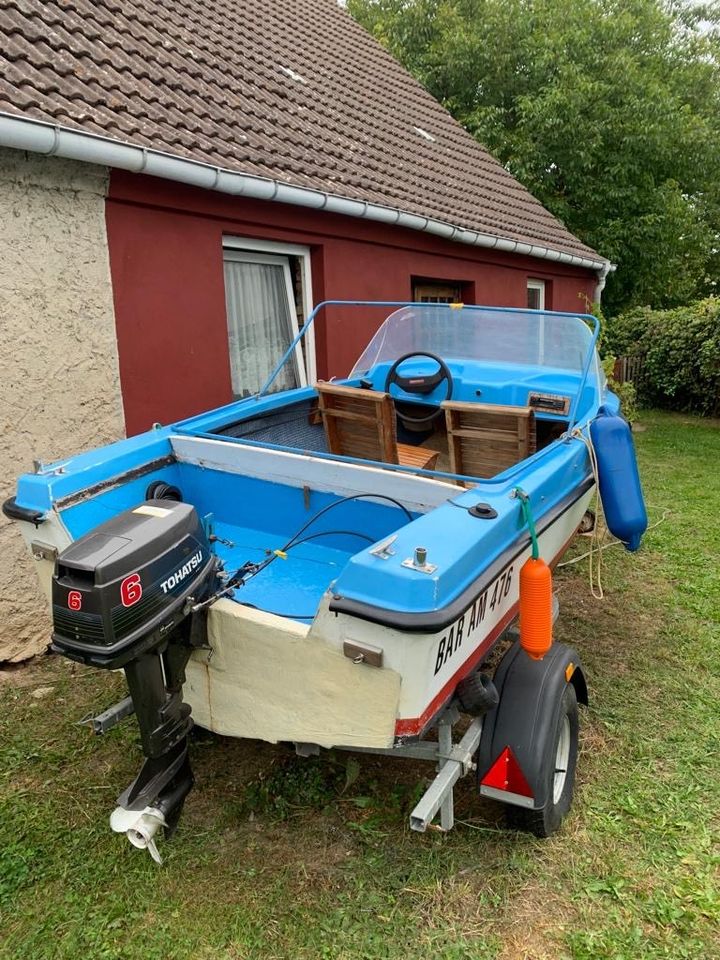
column 538, row 285
column 276, row 252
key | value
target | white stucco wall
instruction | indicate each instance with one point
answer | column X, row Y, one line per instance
column 59, row 382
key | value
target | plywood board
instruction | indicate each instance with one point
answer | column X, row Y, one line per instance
column 267, row 679
column 319, row 473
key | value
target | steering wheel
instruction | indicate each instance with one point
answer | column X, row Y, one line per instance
column 420, row 383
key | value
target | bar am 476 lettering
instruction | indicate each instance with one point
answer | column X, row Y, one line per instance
column 465, row 627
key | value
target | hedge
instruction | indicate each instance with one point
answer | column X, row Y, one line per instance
column 681, row 351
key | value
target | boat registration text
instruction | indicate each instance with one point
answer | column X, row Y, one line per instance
column 467, row 625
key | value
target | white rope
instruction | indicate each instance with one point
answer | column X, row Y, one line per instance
column 568, row 563
column 596, row 549
column 612, row 543
column 595, row 552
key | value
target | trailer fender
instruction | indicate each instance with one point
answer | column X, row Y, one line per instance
column 516, row 733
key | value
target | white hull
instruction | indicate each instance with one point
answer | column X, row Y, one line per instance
column 272, row 679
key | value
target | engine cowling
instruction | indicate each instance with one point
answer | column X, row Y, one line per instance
column 122, row 587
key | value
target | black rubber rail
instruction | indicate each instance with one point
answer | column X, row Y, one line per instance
column 13, row 511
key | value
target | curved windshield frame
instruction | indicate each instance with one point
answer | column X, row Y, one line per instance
column 483, row 334
column 521, row 337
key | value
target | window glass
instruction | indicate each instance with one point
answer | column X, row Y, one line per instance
column 439, row 291
column 536, row 294
column 262, row 321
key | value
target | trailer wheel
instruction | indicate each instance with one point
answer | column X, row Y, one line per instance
column 558, row 769
column 476, row 694
column 587, row 524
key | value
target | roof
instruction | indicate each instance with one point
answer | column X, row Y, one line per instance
column 291, row 90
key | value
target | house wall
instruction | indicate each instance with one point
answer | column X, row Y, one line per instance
column 59, row 383
column 165, row 244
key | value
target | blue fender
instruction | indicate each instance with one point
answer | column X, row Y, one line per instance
column 619, row 479
column 530, row 693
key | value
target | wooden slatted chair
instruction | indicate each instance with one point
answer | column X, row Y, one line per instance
column 361, row 423
column 484, row 439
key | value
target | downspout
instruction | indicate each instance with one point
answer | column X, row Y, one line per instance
column 37, row 136
column 603, row 272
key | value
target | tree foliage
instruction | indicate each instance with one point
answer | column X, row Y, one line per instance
column 607, row 110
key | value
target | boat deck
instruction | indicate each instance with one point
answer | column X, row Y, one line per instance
column 290, row 587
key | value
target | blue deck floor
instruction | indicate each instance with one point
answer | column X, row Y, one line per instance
column 291, row 587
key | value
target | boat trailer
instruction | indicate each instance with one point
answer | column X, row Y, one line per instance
column 454, row 759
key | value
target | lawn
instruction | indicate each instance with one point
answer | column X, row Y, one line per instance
column 278, row 857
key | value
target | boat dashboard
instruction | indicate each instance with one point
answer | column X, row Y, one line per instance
column 549, row 392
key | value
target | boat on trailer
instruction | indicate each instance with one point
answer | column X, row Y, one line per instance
column 332, row 565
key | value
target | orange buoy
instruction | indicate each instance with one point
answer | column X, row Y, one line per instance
column 536, row 618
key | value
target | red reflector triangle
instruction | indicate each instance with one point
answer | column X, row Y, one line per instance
column 505, row 774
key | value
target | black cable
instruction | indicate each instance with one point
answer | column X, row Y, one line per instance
column 332, row 533
column 336, row 503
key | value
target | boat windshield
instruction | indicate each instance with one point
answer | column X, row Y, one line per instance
column 453, row 332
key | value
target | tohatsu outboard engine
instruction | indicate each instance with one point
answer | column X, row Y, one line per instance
column 124, row 596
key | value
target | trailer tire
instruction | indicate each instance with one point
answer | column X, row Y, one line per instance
column 587, row 524
column 561, row 748
column 477, row 694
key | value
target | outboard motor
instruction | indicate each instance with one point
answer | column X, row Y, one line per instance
column 123, row 597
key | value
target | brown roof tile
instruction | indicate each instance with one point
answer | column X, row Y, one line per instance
column 293, row 90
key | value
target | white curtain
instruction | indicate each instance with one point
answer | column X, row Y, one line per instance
column 259, row 324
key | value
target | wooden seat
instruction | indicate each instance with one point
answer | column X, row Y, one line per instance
column 361, row 423
column 484, row 439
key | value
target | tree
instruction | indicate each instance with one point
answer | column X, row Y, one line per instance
column 607, row 110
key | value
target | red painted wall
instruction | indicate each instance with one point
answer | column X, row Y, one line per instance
column 165, row 247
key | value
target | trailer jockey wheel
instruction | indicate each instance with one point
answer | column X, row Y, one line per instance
column 558, row 769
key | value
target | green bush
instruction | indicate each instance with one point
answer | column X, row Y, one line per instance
column 625, row 392
column 681, row 350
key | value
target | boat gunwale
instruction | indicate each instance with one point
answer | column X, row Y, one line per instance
column 491, row 483
column 431, row 621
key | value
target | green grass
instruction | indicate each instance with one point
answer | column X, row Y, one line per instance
column 282, row 858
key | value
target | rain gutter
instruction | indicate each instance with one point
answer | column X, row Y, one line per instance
column 37, row 136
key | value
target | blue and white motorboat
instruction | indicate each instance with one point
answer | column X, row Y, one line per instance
column 332, row 565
